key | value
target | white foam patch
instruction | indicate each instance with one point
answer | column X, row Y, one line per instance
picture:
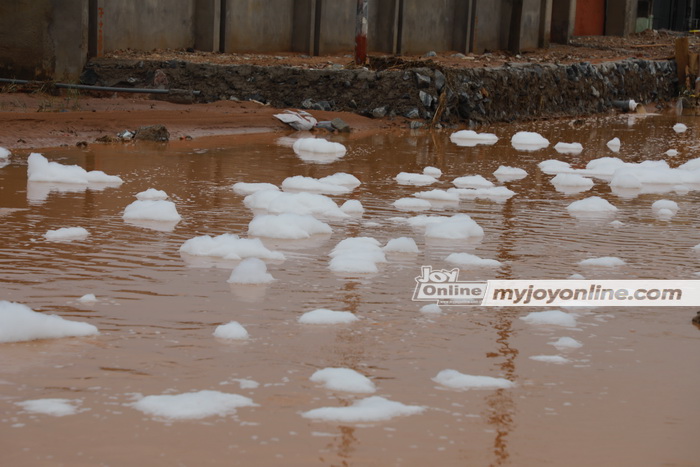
column 470, row 138
column 343, row 379
column 431, row 308
column 671, row 153
column 528, row 141
column 318, row 146
column 496, row 193
column 66, row 234
column 550, row 318
column 352, row 206
column 437, row 195
column 325, row 316
column 459, row 226
column 301, row 183
column 288, row 226
column 152, row 210
column 250, row 271
column 229, row 246
column 192, row 405
column 664, row 208
column 472, row 261
column 614, row 144
column 4, row 153
column 370, row 409
column 455, row 380
column 39, row 169
column 412, row 204
column 558, row 359
column 19, row 323
column 604, row 261
column 276, row 202
column 88, row 298
column 568, row 148
column 231, row 330
column 401, row 245
column 357, row 255
column 472, row 181
column 553, row 167
column 592, row 204
column 506, row 173
column 432, row 171
column 245, row 188
column 343, row 179
column 571, row 183
column 564, row 343
column 53, row 407
column 406, row 178
column 151, row 194
column 680, row 128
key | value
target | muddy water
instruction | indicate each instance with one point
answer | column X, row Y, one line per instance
column 629, row 396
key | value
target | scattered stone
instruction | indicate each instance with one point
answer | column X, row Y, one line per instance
column 379, row 112
column 81, row 144
column 322, row 105
column 422, row 80
column 413, row 113
column 426, row 99
column 414, row 125
column 186, row 138
column 156, row 133
column 459, row 55
column 307, row 103
column 325, row 125
column 439, row 80
column 160, row 80
column 430, row 54
column 340, row 125
column 107, row 139
column 125, row 135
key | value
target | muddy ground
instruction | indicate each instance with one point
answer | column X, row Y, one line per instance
column 42, row 116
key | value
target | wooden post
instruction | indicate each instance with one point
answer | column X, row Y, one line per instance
column 682, row 59
column 361, row 33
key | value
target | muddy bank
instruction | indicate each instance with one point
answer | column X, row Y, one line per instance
column 423, row 91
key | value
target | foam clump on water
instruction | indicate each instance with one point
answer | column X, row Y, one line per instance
column 496, row 193
column 459, row 226
column 39, row 169
column 318, row 146
column 276, row 202
column 352, row 206
column 66, row 234
column 401, row 245
column 88, row 298
column 437, row 195
column 472, row 261
column 358, row 255
column 664, row 208
column 553, row 167
column 592, row 204
column 151, row 194
column 288, row 226
column 228, row 246
column 571, row 181
column 152, row 210
column 604, row 261
column 4, row 153
column 343, row 379
column 412, row 204
column 528, row 141
column 472, row 181
column 566, row 343
column 325, row 316
column 455, row 380
column 406, row 178
column 370, row 409
column 192, row 405
column 19, row 323
column 231, row 330
column 53, row 407
column 470, row 138
column 614, row 144
column 431, row 308
column 246, row 188
column 671, row 153
column 568, row 148
column 558, row 359
column 550, row 318
column 432, row 172
column 250, row 271
column 680, row 128
column 505, row 173
column 301, row 183
column 343, row 179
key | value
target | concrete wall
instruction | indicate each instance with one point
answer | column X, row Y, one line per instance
column 620, row 17
column 257, row 26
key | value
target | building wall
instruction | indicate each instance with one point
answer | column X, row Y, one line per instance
column 257, row 26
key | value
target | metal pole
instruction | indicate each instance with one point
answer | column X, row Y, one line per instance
column 361, row 33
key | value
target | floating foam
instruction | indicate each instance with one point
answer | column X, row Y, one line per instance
column 20, row 323
column 568, row 148
column 276, row 202
column 412, row 204
column 152, row 210
column 470, row 138
column 53, row 407
column 571, row 183
column 550, row 318
column 152, row 194
column 39, row 169
column 553, row 166
column 228, row 246
column 671, row 153
column 459, row 226
column 343, row 179
column 592, row 204
column 300, row 183
column 352, row 206
column 231, row 330
column 192, row 405
column 88, row 298
column 558, row 359
column 318, row 146
column 455, row 380
column 343, row 379
column 614, row 144
column 437, row 195
column 432, row 172
column 401, row 245
column 325, row 316
column 566, row 343
column 505, row 173
column 604, row 261
column 469, row 260
column 288, row 225
column 245, row 189
column 472, row 181
column 4, row 153
column 496, row 193
column 356, row 255
column 250, row 271
column 431, row 308
column 528, row 141
column 406, row 178
column 66, row 234
column 370, row 409
column 663, row 207
column 680, row 128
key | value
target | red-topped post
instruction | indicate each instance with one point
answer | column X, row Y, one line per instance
column 361, row 33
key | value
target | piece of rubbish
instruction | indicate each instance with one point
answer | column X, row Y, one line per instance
column 299, row 119
column 630, row 105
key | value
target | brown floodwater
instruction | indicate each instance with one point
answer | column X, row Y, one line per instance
column 628, row 397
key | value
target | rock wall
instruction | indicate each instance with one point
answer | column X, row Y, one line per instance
column 401, row 89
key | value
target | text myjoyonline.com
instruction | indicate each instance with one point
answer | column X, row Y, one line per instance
column 595, row 292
